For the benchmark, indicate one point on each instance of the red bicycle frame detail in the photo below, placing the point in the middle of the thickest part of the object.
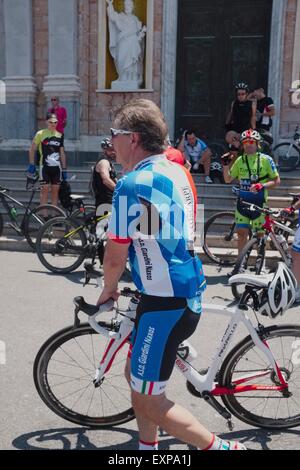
(238, 388)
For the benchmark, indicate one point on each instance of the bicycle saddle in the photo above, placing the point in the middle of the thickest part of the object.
(263, 280)
(76, 197)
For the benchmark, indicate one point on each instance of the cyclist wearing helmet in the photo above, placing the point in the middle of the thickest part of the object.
(164, 269)
(256, 173)
(242, 114)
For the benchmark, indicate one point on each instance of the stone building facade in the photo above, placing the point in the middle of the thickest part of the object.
(53, 47)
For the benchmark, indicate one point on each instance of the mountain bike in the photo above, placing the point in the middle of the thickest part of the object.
(79, 371)
(30, 222)
(278, 236)
(63, 243)
(287, 154)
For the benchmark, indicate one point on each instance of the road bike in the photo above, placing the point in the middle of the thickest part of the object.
(63, 243)
(28, 223)
(79, 371)
(287, 154)
(278, 236)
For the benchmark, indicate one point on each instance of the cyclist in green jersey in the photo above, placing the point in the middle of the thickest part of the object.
(256, 173)
(52, 159)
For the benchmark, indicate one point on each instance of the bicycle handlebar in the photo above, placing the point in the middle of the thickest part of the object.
(263, 210)
(93, 311)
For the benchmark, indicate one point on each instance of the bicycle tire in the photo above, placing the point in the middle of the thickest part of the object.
(284, 162)
(54, 249)
(288, 368)
(43, 376)
(36, 219)
(1, 225)
(242, 263)
(212, 229)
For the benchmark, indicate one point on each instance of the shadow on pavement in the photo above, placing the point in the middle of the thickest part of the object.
(258, 436)
(77, 439)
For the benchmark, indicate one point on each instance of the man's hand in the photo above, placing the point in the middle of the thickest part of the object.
(31, 169)
(226, 158)
(108, 294)
(256, 188)
(287, 212)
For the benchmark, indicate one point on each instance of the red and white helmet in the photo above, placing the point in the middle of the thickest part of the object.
(251, 134)
(279, 296)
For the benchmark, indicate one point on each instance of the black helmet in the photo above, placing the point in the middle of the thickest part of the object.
(242, 86)
(106, 144)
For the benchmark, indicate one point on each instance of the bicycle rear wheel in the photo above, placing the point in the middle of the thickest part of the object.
(64, 370)
(61, 245)
(287, 156)
(37, 218)
(220, 239)
(265, 408)
(251, 260)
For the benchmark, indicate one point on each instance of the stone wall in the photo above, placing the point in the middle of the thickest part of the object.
(41, 55)
(290, 114)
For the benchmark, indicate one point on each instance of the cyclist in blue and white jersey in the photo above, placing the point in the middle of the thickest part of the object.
(153, 220)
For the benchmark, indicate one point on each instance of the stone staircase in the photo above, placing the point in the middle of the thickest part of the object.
(214, 198)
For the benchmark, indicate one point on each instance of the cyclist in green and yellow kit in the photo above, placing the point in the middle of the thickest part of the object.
(52, 159)
(256, 173)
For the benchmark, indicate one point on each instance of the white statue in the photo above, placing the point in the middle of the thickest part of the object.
(126, 46)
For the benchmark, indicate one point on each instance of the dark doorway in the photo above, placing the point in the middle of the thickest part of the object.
(220, 43)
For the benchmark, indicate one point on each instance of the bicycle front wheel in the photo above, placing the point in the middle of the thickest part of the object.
(220, 239)
(287, 156)
(265, 408)
(37, 218)
(61, 245)
(64, 370)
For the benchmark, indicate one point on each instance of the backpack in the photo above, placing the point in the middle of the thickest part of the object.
(65, 195)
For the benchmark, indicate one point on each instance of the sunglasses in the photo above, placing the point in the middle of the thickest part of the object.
(249, 141)
(53, 99)
(116, 132)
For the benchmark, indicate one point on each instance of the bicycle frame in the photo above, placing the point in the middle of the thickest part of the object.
(3, 198)
(202, 383)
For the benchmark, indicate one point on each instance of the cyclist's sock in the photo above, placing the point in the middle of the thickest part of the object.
(148, 445)
(220, 444)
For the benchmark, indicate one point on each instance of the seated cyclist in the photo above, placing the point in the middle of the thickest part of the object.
(164, 269)
(296, 247)
(256, 173)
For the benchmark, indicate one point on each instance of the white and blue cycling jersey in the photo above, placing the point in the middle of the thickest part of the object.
(161, 256)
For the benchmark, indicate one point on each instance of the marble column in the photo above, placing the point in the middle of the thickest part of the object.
(276, 60)
(169, 56)
(19, 110)
(62, 79)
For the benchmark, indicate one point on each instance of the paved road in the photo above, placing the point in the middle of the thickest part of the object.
(35, 304)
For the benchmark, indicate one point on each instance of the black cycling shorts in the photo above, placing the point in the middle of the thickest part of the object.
(50, 175)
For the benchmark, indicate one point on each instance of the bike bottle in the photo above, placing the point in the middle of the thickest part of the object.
(13, 212)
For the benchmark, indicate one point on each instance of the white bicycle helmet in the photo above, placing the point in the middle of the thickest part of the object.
(242, 86)
(251, 134)
(280, 294)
